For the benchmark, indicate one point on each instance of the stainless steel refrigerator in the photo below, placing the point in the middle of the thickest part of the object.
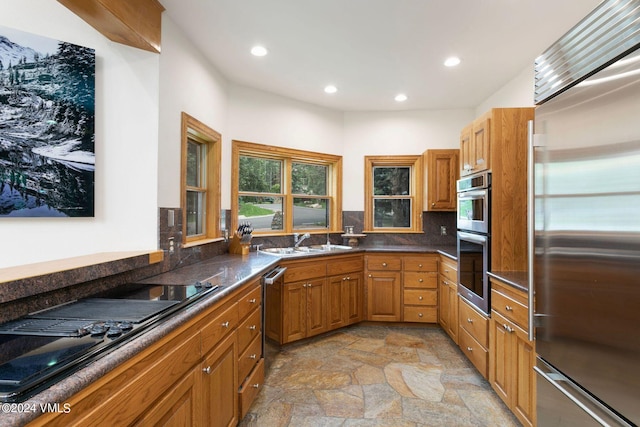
(585, 228)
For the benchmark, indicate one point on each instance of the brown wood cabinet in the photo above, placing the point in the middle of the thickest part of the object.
(512, 355)
(473, 336)
(475, 146)
(346, 291)
(384, 287)
(420, 288)
(442, 173)
(189, 377)
(448, 296)
(249, 347)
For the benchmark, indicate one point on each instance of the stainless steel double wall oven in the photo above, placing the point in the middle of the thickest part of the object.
(474, 228)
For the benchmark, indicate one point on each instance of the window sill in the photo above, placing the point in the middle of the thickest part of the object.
(200, 242)
(388, 230)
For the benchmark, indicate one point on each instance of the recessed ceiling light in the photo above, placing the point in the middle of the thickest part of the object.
(401, 97)
(330, 89)
(452, 61)
(259, 51)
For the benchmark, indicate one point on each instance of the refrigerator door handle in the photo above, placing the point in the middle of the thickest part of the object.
(531, 232)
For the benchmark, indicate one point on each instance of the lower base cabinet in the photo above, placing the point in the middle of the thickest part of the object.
(473, 336)
(220, 385)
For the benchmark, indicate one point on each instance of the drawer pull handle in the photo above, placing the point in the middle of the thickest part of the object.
(508, 328)
(419, 265)
(207, 370)
(253, 356)
(225, 324)
(252, 327)
(420, 298)
(419, 314)
(252, 301)
(348, 278)
(469, 320)
(420, 280)
(344, 278)
(384, 264)
(508, 308)
(256, 386)
(370, 276)
(446, 271)
(469, 349)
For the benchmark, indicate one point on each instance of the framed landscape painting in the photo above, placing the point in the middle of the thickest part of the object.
(47, 137)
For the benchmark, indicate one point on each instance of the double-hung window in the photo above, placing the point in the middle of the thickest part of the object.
(281, 190)
(393, 194)
(200, 183)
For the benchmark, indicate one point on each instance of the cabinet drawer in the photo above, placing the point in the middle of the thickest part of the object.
(305, 271)
(249, 329)
(221, 324)
(474, 323)
(510, 308)
(420, 280)
(249, 358)
(476, 353)
(421, 263)
(449, 269)
(384, 262)
(421, 314)
(249, 302)
(346, 265)
(420, 297)
(250, 388)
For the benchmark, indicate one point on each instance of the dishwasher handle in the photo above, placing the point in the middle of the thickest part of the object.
(271, 277)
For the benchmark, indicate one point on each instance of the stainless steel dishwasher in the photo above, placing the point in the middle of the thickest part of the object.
(274, 277)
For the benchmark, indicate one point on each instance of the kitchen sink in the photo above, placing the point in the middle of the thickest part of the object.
(304, 250)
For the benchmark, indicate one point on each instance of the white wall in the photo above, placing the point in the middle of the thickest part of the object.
(390, 133)
(126, 147)
(189, 83)
(518, 92)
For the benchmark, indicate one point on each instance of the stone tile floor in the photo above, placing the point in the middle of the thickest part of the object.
(370, 375)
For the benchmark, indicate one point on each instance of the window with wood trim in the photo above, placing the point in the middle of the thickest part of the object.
(393, 194)
(283, 190)
(200, 181)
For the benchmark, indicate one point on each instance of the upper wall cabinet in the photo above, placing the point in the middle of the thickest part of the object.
(442, 173)
(475, 146)
(133, 23)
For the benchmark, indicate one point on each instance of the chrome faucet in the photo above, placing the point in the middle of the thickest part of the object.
(297, 239)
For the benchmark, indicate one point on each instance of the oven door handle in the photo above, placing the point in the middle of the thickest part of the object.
(476, 238)
(474, 194)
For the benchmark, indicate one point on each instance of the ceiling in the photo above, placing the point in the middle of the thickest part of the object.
(371, 50)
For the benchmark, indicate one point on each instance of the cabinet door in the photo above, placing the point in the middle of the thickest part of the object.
(179, 405)
(384, 292)
(444, 314)
(294, 316)
(524, 400)
(453, 311)
(480, 144)
(501, 357)
(220, 384)
(442, 173)
(317, 303)
(354, 298)
(338, 301)
(466, 161)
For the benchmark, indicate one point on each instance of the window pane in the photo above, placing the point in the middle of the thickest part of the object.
(264, 213)
(195, 213)
(391, 181)
(310, 213)
(309, 179)
(392, 213)
(260, 175)
(194, 160)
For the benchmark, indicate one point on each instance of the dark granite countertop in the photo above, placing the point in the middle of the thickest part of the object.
(449, 251)
(517, 279)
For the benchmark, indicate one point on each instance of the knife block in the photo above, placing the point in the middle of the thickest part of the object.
(240, 246)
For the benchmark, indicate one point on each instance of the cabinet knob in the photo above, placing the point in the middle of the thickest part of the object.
(420, 314)
(370, 276)
(420, 298)
(469, 349)
(348, 278)
(420, 280)
(419, 265)
(508, 328)
(207, 370)
(252, 301)
(508, 308)
(433, 204)
(253, 356)
(344, 278)
(252, 327)
(469, 320)
(225, 324)
(384, 264)
(256, 386)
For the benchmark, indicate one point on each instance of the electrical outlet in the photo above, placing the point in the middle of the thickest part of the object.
(443, 230)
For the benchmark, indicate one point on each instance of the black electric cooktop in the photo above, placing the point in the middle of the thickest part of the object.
(46, 346)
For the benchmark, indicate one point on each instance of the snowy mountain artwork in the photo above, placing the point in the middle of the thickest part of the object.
(47, 140)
